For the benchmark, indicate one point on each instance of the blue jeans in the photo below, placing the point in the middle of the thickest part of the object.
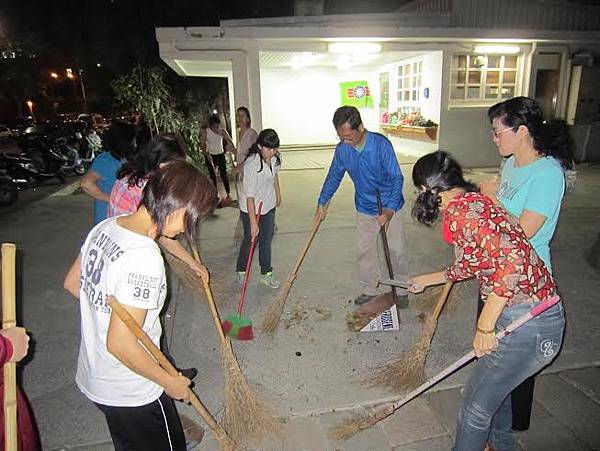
(485, 414)
(266, 228)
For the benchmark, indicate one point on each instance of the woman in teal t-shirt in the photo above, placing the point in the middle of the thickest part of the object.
(531, 188)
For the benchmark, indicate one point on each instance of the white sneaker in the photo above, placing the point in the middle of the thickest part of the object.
(268, 280)
(240, 276)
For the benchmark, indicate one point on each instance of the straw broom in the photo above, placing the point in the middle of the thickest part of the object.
(273, 315)
(225, 442)
(9, 319)
(350, 427)
(408, 371)
(245, 417)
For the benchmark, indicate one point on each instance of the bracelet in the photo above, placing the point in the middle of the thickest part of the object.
(487, 332)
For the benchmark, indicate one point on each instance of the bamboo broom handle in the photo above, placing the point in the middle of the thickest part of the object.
(300, 259)
(441, 300)
(211, 302)
(143, 338)
(9, 319)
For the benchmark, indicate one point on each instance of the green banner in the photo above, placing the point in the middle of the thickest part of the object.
(356, 93)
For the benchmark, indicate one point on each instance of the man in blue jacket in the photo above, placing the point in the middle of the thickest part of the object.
(370, 161)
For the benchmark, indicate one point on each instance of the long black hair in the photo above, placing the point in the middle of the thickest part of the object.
(550, 138)
(266, 138)
(162, 148)
(432, 174)
(178, 184)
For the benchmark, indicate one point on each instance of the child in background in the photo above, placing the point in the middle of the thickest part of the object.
(99, 180)
(260, 184)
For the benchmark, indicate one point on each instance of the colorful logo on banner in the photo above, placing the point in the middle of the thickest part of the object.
(356, 93)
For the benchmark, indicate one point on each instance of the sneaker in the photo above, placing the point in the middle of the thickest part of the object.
(268, 280)
(240, 276)
(363, 299)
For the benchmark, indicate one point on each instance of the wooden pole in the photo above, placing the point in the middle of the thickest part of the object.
(9, 319)
(224, 440)
(211, 302)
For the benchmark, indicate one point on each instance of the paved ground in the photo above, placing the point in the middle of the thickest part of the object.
(314, 364)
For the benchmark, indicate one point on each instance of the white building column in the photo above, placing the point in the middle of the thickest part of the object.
(255, 104)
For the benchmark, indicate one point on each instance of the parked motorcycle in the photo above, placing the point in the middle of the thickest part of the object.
(51, 151)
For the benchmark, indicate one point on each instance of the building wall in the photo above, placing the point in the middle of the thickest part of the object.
(299, 104)
(465, 131)
(432, 79)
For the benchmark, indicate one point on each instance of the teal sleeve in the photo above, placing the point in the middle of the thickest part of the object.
(545, 193)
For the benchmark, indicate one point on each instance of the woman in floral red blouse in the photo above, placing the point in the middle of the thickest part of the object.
(491, 246)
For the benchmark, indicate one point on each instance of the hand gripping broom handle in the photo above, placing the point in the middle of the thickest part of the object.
(535, 311)
(248, 264)
(386, 247)
(143, 338)
(9, 316)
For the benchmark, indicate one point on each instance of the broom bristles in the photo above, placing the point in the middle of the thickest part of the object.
(407, 372)
(351, 426)
(245, 417)
(273, 315)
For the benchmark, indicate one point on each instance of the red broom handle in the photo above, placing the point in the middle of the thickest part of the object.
(248, 264)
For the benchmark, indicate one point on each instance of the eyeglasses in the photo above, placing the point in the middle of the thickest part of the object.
(496, 134)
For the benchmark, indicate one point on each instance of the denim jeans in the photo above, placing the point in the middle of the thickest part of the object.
(485, 414)
(266, 228)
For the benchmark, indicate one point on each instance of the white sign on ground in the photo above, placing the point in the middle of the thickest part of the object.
(387, 320)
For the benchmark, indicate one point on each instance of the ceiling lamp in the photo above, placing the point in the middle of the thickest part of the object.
(354, 47)
(497, 49)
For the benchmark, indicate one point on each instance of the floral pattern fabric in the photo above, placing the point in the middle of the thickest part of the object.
(490, 245)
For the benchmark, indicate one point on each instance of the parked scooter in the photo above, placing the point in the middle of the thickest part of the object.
(51, 152)
(23, 172)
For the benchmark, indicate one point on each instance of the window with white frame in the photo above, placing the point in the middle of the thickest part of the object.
(482, 78)
(409, 86)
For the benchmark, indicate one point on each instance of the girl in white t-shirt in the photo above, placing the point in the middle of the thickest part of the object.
(120, 257)
(260, 184)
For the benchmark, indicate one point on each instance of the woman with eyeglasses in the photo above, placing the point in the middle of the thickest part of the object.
(531, 188)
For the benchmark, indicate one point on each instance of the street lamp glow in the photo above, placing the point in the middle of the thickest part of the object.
(54, 75)
(29, 104)
(497, 49)
(70, 74)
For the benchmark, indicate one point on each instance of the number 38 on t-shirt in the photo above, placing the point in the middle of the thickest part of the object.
(91, 269)
(141, 293)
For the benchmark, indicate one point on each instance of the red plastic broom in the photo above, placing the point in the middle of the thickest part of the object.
(238, 326)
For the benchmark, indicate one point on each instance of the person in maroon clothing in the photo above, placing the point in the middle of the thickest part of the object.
(14, 344)
(491, 246)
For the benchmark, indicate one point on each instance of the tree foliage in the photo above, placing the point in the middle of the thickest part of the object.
(145, 91)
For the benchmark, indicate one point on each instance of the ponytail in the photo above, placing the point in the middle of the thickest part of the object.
(557, 143)
(432, 174)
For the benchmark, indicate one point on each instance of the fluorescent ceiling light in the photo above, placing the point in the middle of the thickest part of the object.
(304, 59)
(354, 47)
(492, 49)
